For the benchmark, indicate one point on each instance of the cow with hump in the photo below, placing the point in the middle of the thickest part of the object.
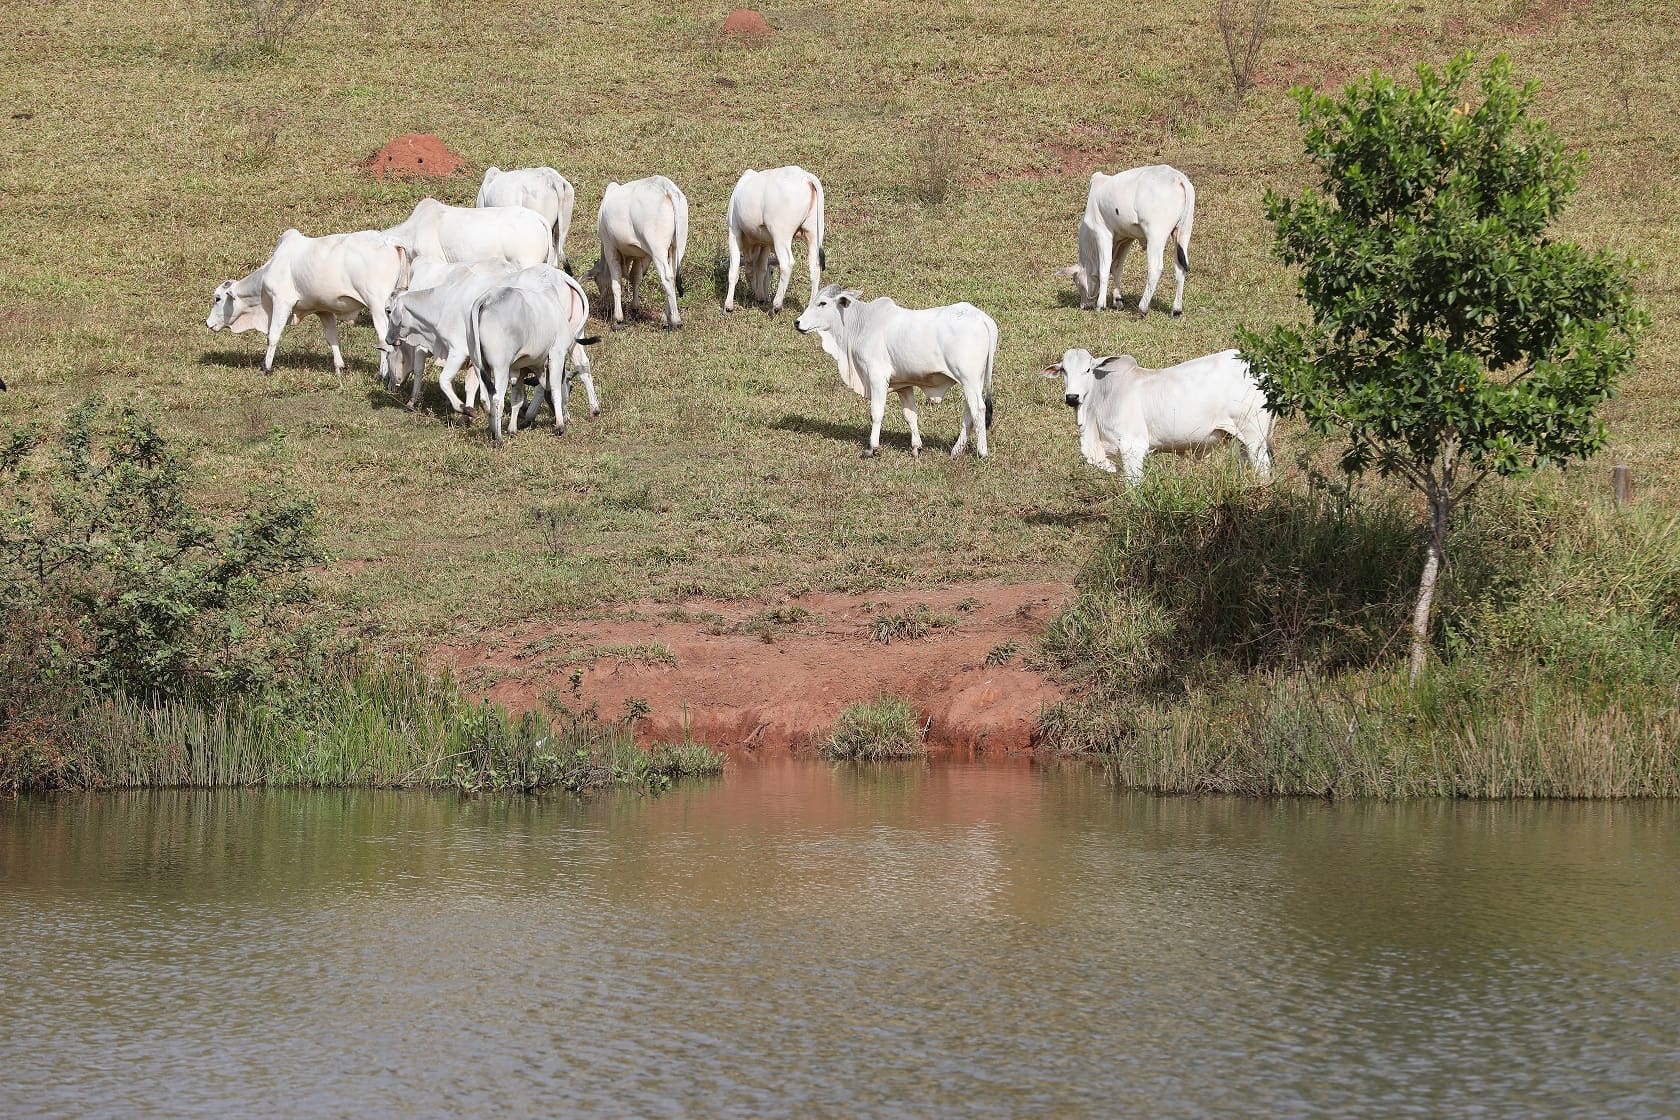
(641, 223)
(436, 232)
(1149, 204)
(768, 211)
(533, 322)
(334, 278)
(1121, 406)
(883, 348)
(542, 189)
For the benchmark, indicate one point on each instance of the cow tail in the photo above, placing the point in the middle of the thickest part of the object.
(991, 360)
(475, 344)
(1186, 220)
(816, 213)
(679, 216)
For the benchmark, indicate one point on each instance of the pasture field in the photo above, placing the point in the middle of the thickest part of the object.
(148, 152)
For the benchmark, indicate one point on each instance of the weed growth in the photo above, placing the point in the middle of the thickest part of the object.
(886, 727)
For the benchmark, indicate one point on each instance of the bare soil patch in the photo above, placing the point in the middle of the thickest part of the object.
(417, 155)
(775, 675)
(744, 23)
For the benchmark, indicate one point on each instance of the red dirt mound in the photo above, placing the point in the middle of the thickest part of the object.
(745, 675)
(747, 24)
(417, 154)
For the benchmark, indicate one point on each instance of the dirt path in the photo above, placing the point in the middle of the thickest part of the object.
(758, 675)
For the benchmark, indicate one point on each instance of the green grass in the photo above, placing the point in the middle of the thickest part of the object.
(158, 162)
(383, 724)
(886, 727)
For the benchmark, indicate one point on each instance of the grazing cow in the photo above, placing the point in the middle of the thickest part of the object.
(333, 277)
(523, 326)
(542, 189)
(768, 210)
(433, 320)
(642, 221)
(1188, 407)
(463, 234)
(881, 347)
(1148, 204)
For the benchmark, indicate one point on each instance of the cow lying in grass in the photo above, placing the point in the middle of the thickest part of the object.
(1188, 407)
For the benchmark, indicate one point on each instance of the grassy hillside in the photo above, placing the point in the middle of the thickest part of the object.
(146, 152)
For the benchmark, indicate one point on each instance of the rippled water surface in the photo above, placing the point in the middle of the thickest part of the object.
(798, 940)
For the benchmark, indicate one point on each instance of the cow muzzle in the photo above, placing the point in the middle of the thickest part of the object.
(1072, 400)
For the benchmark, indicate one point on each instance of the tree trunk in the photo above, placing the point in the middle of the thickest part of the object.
(1425, 609)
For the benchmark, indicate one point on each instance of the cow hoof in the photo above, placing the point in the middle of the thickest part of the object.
(673, 326)
(728, 309)
(915, 453)
(411, 407)
(869, 453)
(559, 429)
(1177, 312)
(1139, 314)
(594, 412)
(268, 371)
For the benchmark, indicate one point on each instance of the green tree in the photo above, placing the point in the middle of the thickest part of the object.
(110, 579)
(1451, 337)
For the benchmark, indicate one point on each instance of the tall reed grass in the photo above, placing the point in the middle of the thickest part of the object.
(1236, 639)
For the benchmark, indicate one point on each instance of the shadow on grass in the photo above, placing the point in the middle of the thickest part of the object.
(317, 362)
(855, 434)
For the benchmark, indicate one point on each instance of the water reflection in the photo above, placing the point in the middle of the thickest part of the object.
(806, 940)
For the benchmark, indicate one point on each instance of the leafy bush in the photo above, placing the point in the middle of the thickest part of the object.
(112, 581)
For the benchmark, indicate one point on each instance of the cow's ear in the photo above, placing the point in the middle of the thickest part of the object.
(1053, 372)
(1119, 363)
(844, 301)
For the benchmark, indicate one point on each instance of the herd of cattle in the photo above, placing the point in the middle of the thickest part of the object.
(491, 286)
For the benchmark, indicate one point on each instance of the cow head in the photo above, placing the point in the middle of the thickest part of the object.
(825, 310)
(232, 310)
(1080, 373)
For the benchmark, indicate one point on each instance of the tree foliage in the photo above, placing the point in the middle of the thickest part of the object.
(114, 582)
(1451, 335)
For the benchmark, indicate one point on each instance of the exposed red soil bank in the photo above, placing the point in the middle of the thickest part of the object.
(747, 24)
(417, 154)
(751, 679)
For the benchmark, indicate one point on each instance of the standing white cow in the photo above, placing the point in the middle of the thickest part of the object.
(768, 211)
(464, 234)
(881, 347)
(523, 326)
(333, 277)
(640, 222)
(542, 189)
(1188, 407)
(433, 321)
(1147, 204)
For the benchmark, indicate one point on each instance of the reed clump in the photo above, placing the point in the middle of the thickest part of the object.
(1247, 640)
(887, 727)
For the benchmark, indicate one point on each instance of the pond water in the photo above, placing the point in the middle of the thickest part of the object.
(950, 940)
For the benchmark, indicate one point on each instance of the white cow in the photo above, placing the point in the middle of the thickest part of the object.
(333, 277)
(523, 326)
(768, 210)
(881, 347)
(433, 320)
(641, 221)
(464, 234)
(1188, 407)
(1147, 204)
(542, 189)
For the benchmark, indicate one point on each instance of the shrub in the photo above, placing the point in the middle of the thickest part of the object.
(872, 730)
(1243, 33)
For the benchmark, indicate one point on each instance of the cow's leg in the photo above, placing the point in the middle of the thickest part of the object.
(329, 328)
(557, 387)
(1122, 249)
(514, 393)
(907, 401)
(784, 253)
(734, 268)
(962, 433)
(668, 281)
(415, 360)
(638, 269)
(534, 402)
(278, 317)
(615, 279)
(1091, 447)
(974, 408)
(877, 413)
(1256, 450)
(446, 381)
(1104, 239)
(581, 363)
(1154, 248)
(1131, 460)
(496, 391)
